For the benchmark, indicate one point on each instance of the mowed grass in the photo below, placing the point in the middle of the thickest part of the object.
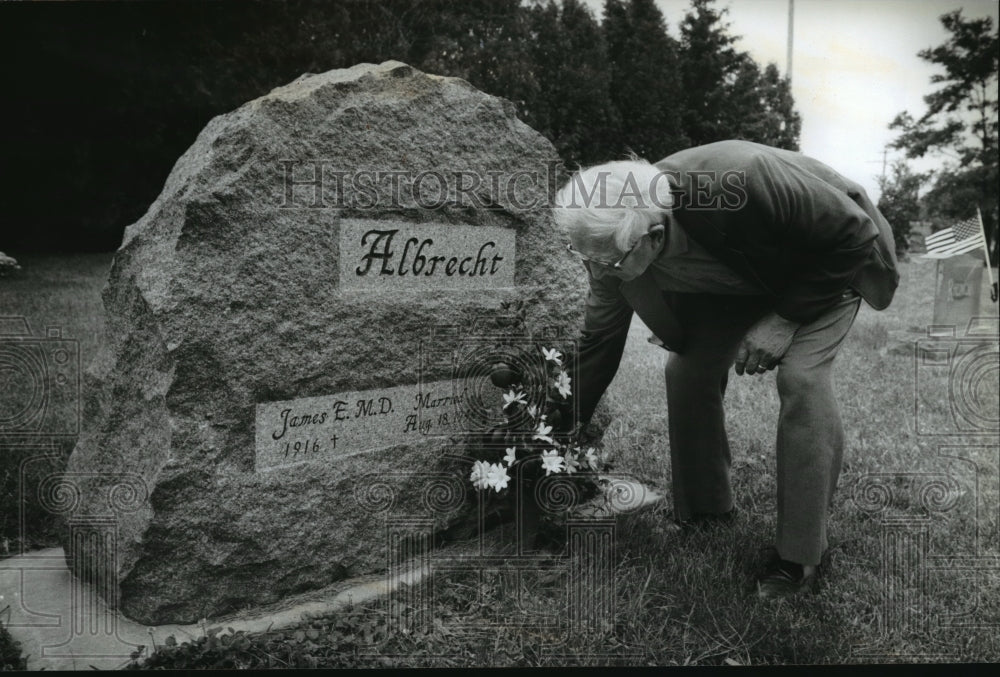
(59, 291)
(689, 600)
(49, 292)
(702, 587)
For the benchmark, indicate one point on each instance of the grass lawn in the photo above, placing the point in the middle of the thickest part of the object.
(689, 600)
(61, 292)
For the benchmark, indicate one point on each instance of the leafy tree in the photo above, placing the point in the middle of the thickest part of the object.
(956, 193)
(960, 122)
(899, 201)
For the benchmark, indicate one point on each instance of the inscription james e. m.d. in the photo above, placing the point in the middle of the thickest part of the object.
(415, 256)
(326, 428)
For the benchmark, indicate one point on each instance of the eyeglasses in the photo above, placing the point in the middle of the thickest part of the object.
(617, 265)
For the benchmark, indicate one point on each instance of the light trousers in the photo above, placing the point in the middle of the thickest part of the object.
(810, 437)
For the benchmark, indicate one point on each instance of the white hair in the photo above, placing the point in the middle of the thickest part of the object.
(609, 206)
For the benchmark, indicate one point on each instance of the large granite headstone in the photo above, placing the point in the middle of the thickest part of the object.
(283, 326)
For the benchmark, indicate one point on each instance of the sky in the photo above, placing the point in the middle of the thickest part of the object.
(854, 67)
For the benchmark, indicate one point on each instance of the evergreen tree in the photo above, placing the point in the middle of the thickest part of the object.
(485, 42)
(597, 91)
(546, 49)
(616, 30)
(726, 96)
(646, 81)
(760, 107)
(709, 67)
(575, 109)
(784, 124)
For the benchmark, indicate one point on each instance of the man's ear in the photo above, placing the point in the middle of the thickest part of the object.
(657, 232)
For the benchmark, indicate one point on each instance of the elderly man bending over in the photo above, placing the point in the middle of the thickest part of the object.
(732, 252)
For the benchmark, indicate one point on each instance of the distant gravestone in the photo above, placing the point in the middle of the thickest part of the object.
(284, 326)
(959, 288)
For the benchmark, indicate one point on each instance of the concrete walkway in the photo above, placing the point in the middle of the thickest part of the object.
(55, 633)
(63, 625)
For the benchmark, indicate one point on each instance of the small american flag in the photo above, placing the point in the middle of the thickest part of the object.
(961, 238)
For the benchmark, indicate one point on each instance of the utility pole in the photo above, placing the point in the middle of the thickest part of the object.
(884, 161)
(791, 30)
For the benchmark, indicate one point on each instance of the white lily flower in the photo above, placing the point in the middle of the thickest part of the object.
(480, 474)
(511, 456)
(562, 384)
(542, 433)
(552, 462)
(497, 477)
(571, 462)
(511, 397)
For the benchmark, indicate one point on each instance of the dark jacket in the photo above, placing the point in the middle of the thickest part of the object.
(795, 227)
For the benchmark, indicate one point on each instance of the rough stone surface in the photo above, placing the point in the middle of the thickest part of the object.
(226, 294)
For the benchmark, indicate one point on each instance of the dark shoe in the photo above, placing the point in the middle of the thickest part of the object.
(706, 520)
(782, 578)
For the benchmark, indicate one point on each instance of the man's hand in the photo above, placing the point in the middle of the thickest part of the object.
(765, 344)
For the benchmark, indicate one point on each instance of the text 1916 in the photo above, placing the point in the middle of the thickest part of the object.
(301, 447)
